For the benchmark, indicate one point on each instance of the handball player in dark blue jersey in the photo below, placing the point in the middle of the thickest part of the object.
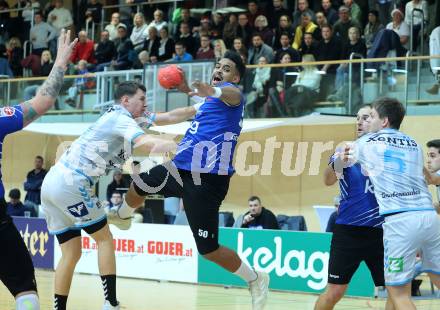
(16, 268)
(201, 170)
(358, 234)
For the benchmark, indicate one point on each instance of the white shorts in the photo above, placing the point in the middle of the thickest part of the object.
(68, 201)
(404, 236)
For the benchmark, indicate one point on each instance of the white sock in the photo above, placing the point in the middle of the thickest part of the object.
(27, 302)
(246, 273)
(125, 211)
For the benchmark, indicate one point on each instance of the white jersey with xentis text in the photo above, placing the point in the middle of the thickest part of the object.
(394, 164)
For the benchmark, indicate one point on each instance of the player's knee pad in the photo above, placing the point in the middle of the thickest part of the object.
(27, 302)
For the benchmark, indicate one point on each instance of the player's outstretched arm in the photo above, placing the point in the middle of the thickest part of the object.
(175, 116)
(229, 95)
(48, 92)
(154, 145)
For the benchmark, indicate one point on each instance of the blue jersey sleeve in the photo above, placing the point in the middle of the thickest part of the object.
(11, 119)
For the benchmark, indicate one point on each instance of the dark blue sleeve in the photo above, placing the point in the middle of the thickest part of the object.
(11, 119)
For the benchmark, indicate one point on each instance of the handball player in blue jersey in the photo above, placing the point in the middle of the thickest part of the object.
(16, 268)
(201, 170)
(358, 230)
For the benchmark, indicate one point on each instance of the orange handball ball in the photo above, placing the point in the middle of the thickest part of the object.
(170, 76)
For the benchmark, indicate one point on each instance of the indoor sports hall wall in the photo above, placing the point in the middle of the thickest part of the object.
(282, 194)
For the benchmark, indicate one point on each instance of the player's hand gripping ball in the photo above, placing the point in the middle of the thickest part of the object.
(170, 76)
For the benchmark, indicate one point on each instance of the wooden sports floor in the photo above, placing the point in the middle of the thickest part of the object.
(86, 294)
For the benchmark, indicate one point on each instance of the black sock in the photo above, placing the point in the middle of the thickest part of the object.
(109, 285)
(60, 302)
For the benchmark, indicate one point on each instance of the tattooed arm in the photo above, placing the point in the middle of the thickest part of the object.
(48, 92)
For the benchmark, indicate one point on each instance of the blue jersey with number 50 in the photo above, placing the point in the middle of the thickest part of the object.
(208, 145)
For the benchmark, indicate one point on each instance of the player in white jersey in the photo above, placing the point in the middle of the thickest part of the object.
(394, 163)
(67, 191)
(432, 171)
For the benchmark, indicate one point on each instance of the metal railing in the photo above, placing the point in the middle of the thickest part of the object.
(92, 35)
(25, 54)
(350, 80)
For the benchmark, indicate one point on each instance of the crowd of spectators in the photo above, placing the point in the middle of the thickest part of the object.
(262, 33)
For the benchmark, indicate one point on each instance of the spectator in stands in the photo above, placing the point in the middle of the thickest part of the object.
(50, 5)
(258, 49)
(105, 50)
(332, 219)
(285, 26)
(328, 49)
(115, 200)
(384, 8)
(60, 17)
(152, 44)
(258, 217)
(286, 48)
(5, 68)
(419, 19)
(306, 26)
(262, 27)
(180, 52)
(187, 18)
(261, 86)
(41, 34)
(117, 185)
(93, 13)
(15, 207)
(83, 82)
(139, 32)
(329, 12)
(142, 60)
(34, 180)
(27, 15)
(15, 55)
(217, 26)
(158, 21)
(355, 45)
(309, 45)
(372, 28)
(230, 30)
(84, 50)
(354, 11)
(187, 38)
(112, 28)
(205, 51)
(434, 49)
(303, 7)
(344, 23)
(253, 12)
(305, 89)
(276, 12)
(40, 66)
(399, 26)
(219, 49)
(166, 48)
(321, 21)
(124, 49)
(239, 47)
(244, 29)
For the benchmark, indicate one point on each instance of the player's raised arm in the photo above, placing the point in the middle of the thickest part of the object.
(229, 94)
(48, 92)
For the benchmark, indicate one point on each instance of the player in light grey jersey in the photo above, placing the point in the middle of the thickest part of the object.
(432, 170)
(394, 164)
(67, 191)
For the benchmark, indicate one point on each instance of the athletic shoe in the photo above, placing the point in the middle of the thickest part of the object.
(433, 90)
(259, 289)
(108, 306)
(114, 218)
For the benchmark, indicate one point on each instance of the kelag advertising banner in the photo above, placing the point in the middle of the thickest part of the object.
(37, 239)
(295, 261)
